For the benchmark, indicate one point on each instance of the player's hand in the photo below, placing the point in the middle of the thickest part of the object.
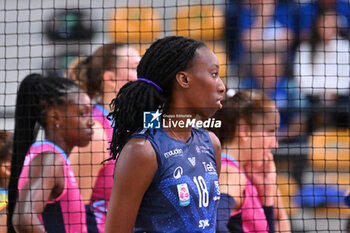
(263, 175)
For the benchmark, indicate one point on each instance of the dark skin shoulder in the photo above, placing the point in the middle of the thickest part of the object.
(217, 148)
(45, 183)
(134, 172)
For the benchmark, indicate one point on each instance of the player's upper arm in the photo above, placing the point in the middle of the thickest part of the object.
(45, 183)
(137, 163)
(134, 172)
(45, 174)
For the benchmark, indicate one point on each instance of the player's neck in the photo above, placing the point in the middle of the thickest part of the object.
(60, 142)
(176, 120)
(180, 134)
(233, 149)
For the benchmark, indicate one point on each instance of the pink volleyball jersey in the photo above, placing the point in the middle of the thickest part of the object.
(104, 182)
(252, 214)
(67, 212)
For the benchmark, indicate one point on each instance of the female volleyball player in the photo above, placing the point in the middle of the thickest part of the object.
(43, 193)
(166, 178)
(250, 197)
(6, 141)
(101, 75)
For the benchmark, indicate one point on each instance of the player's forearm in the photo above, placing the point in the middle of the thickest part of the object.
(282, 217)
(283, 225)
(27, 223)
(267, 194)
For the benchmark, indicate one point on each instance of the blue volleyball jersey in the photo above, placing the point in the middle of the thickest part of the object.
(184, 194)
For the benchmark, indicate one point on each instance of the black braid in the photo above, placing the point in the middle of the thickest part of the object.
(34, 95)
(160, 64)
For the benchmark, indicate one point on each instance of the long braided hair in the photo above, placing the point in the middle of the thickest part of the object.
(34, 96)
(160, 64)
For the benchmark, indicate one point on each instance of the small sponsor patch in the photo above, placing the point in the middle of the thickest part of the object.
(184, 194)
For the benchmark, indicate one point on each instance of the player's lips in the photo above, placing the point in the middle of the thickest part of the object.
(219, 100)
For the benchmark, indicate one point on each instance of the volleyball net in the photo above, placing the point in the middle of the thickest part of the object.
(296, 52)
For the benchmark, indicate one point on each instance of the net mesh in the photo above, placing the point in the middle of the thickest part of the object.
(296, 52)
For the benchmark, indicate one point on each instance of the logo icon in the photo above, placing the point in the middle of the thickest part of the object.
(178, 172)
(184, 194)
(192, 161)
(151, 120)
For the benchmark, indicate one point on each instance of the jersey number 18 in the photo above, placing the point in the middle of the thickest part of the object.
(203, 194)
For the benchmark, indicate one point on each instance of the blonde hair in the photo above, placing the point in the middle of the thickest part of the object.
(77, 71)
(88, 72)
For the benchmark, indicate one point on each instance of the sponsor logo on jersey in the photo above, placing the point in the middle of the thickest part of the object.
(178, 172)
(192, 161)
(209, 167)
(198, 150)
(203, 223)
(205, 149)
(184, 194)
(217, 187)
(174, 152)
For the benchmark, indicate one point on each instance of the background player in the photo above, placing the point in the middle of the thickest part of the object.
(250, 197)
(101, 75)
(6, 141)
(43, 193)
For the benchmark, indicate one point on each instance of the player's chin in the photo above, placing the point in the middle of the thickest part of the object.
(215, 107)
(83, 143)
(85, 139)
(209, 112)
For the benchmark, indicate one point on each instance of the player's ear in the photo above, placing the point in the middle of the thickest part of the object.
(109, 77)
(54, 117)
(5, 169)
(182, 79)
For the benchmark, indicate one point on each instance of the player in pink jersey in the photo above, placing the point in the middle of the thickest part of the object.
(43, 193)
(101, 75)
(6, 141)
(250, 200)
